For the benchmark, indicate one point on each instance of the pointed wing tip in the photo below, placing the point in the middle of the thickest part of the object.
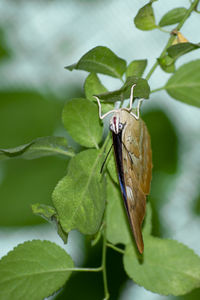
(140, 248)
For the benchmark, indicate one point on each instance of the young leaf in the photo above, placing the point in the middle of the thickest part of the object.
(141, 90)
(184, 84)
(93, 86)
(136, 68)
(79, 197)
(117, 226)
(167, 63)
(101, 60)
(49, 213)
(145, 19)
(33, 270)
(167, 267)
(80, 118)
(45, 146)
(173, 16)
(180, 49)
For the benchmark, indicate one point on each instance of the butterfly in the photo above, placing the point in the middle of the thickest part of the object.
(133, 157)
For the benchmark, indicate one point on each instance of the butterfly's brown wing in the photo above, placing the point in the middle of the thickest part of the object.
(137, 166)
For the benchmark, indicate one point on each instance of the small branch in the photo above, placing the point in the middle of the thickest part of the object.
(162, 29)
(172, 38)
(115, 248)
(158, 89)
(105, 283)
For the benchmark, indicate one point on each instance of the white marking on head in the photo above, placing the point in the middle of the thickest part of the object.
(115, 125)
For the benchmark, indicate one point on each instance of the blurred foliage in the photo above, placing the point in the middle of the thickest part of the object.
(165, 156)
(4, 50)
(26, 115)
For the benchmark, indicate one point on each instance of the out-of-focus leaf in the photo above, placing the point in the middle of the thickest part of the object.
(167, 267)
(136, 68)
(31, 181)
(184, 84)
(25, 116)
(39, 147)
(141, 90)
(164, 141)
(167, 63)
(173, 16)
(101, 60)
(49, 213)
(4, 51)
(81, 120)
(34, 270)
(180, 49)
(79, 197)
(145, 19)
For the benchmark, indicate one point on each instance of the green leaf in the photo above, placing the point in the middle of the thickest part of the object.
(79, 197)
(166, 267)
(117, 226)
(25, 116)
(94, 86)
(173, 16)
(81, 120)
(184, 85)
(101, 60)
(118, 229)
(33, 270)
(145, 19)
(180, 49)
(141, 90)
(111, 166)
(167, 63)
(49, 213)
(45, 146)
(136, 68)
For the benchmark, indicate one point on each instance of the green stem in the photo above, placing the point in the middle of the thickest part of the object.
(158, 89)
(162, 29)
(105, 283)
(172, 38)
(115, 248)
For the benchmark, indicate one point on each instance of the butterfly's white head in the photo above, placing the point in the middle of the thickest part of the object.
(115, 124)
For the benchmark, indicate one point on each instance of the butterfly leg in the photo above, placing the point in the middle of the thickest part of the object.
(131, 98)
(137, 115)
(100, 113)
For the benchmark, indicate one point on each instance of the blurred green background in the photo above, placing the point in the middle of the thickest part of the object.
(37, 39)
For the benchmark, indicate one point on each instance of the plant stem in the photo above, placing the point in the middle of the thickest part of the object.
(172, 37)
(115, 248)
(107, 296)
(158, 89)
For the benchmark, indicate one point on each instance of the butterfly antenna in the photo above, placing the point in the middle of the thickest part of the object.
(103, 164)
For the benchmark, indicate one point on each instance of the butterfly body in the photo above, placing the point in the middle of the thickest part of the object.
(133, 157)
